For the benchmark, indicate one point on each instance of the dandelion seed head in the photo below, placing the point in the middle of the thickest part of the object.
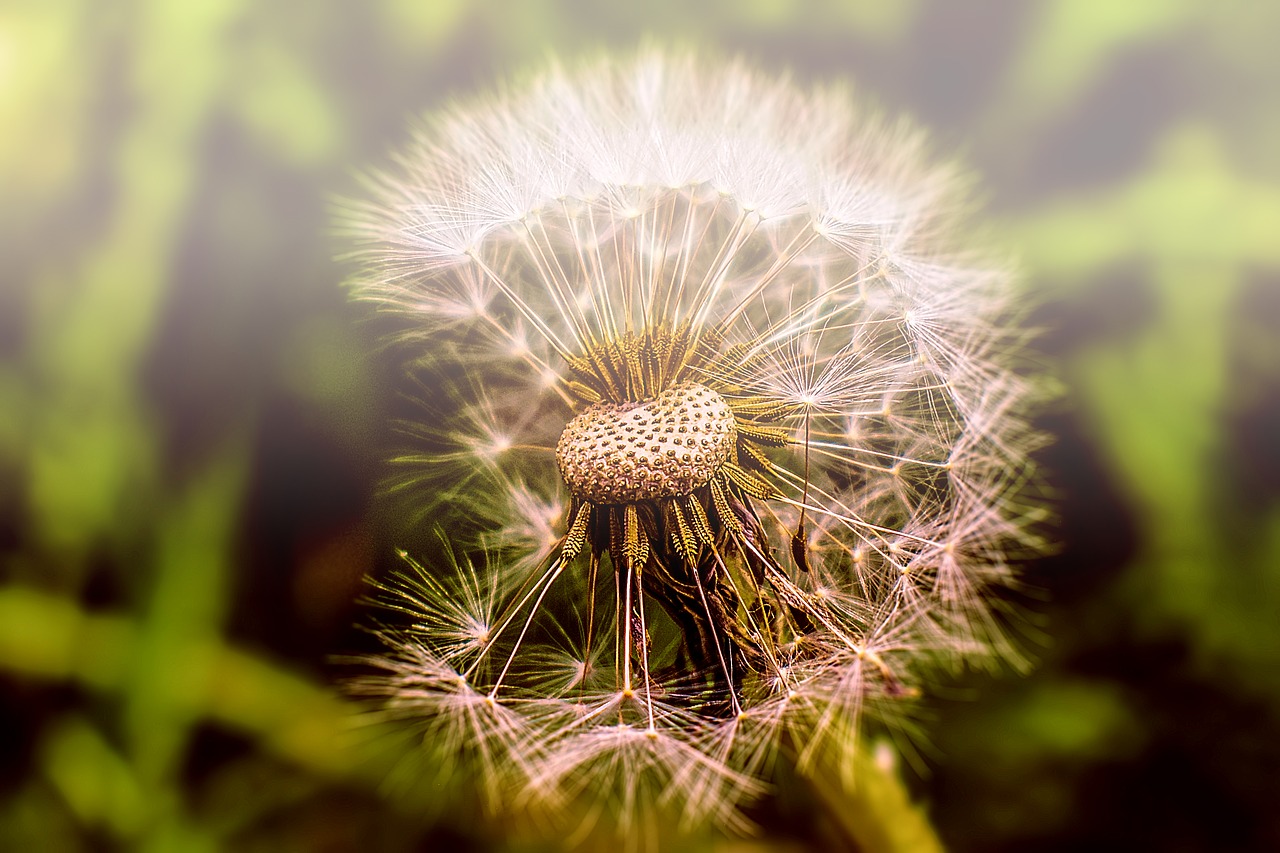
(722, 425)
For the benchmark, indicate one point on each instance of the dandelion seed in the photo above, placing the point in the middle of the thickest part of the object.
(722, 430)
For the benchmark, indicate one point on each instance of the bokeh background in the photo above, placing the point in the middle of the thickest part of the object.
(192, 416)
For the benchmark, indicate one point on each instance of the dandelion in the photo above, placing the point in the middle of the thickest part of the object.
(719, 425)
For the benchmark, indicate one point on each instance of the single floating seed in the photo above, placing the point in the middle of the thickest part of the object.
(591, 466)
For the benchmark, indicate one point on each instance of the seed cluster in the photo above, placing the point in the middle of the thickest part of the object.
(619, 453)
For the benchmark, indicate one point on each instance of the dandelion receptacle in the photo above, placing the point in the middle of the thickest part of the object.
(720, 427)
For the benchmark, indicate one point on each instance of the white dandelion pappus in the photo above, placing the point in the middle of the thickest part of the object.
(721, 402)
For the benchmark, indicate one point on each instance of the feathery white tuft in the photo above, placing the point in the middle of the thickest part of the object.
(822, 264)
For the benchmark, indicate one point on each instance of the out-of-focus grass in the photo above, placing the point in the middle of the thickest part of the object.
(186, 403)
(1158, 397)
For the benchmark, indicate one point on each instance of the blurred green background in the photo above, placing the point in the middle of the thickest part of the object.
(192, 416)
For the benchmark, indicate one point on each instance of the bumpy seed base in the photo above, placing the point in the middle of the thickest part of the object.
(619, 453)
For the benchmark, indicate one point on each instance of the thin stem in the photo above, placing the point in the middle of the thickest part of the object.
(866, 802)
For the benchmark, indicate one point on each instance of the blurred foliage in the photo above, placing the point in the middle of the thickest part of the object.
(190, 413)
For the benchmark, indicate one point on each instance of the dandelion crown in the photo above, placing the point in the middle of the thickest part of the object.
(717, 424)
